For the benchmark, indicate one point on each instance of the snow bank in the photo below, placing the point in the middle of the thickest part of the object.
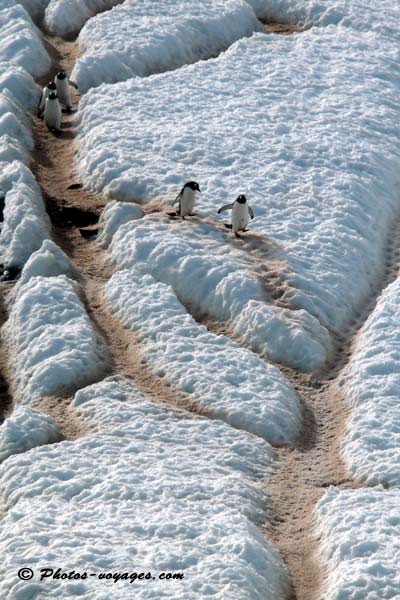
(360, 543)
(117, 502)
(51, 340)
(16, 138)
(309, 131)
(139, 38)
(26, 429)
(228, 382)
(65, 17)
(371, 384)
(114, 215)
(20, 42)
(20, 84)
(48, 261)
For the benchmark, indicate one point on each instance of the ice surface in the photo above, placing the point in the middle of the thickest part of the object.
(51, 340)
(26, 429)
(371, 384)
(153, 490)
(64, 17)
(141, 37)
(228, 382)
(359, 534)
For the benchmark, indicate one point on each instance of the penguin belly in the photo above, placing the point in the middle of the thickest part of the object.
(63, 92)
(240, 217)
(52, 114)
(187, 202)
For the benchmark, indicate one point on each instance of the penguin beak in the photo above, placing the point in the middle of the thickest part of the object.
(199, 190)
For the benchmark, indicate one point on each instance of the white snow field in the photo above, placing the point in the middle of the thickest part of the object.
(66, 17)
(26, 429)
(359, 533)
(139, 38)
(51, 340)
(228, 382)
(309, 131)
(371, 384)
(152, 490)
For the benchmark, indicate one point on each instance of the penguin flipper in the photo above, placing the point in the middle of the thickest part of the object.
(75, 85)
(225, 207)
(251, 213)
(176, 199)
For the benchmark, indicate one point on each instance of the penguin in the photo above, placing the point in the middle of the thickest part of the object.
(62, 84)
(50, 87)
(241, 212)
(186, 198)
(52, 112)
(2, 205)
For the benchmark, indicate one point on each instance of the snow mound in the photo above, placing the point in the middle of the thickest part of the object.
(114, 215)
(53, 345)
(48, 261)
(120, 495)
(227, 381)
(26, 224)
(139, 38)
(20, 84)
(66, 17)
(20, 40)
(14, 129)
(26, 429)
(371, 385)
(360, 543)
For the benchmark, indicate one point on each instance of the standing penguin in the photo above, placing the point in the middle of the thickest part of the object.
(52, 112)
(186, 198)
(241, 212)
(50, 87)
(62, 84)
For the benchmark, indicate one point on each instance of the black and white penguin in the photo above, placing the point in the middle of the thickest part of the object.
(186, 198)
(241, 214)
(50, 87)
(62, 84)
(52, 112)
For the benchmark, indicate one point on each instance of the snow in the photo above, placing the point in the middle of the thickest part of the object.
(14, 129)
(20, 84)
(139, 38)
(51, 340)
(116, 502)
(330, 149)
(66, 17)
(26, 429)
(48, 261)
(220, 378)
(20, 41)
(114, 215)
(360, 543)
(371, 386)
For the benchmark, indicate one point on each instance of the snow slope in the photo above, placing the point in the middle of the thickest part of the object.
(117, 502)
(226, 381)
(65, 17)
(51, 340)
(26, 429)
(371, 385)
(139, 38)
(359, 532)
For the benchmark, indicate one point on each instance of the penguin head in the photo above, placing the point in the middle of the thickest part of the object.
(241, 199)
(61, 75)
(52, 96)
(193, 185)
(51, 85)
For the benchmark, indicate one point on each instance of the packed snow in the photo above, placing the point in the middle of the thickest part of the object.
(114, 215)
(359, 534)
(48, 261)
(52, 344)
(228, 382)
(371, 385)
(117, 502)
(66, 17)
(17, 82)
(25, 429)
(139, 38)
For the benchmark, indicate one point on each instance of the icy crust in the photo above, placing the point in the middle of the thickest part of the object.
(63, 17)
(213, 282)
(26, 224)
(52, 342)
(371, 385)
(139, 38)
(312, 179)
(26, 429)
(359, 534)
(20, 40)
(117, 502)
(228, 382)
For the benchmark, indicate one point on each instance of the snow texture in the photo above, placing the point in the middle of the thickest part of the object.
(65, 17)
(48, 261)
(114, 215)
(20, 42)
(16, 138)
(327, 104)
(371, 385)
(139, 38)
(117, 502)
(52, 343)
(19, 84)
(228, 382)
(26, 429)
(360, 544)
